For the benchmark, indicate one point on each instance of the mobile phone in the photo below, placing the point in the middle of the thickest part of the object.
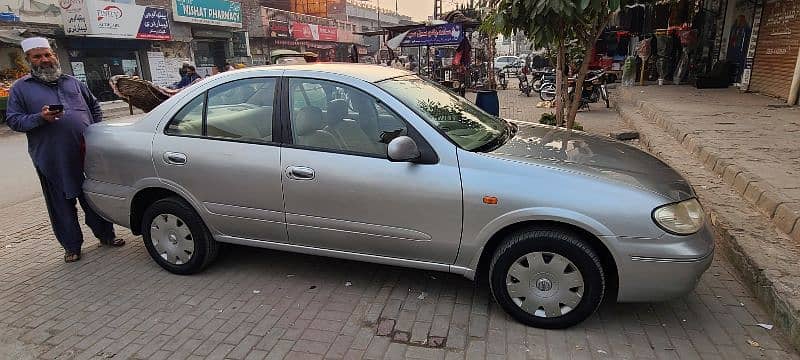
(55, 108)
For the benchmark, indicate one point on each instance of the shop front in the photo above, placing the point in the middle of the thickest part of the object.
(95, 61)
(330, 40)
(776, 53)
(213, 25)
(326, 51)
(664, 41)
(106, 39)
(211, 49)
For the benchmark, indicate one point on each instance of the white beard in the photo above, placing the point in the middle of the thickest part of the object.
(47, 74)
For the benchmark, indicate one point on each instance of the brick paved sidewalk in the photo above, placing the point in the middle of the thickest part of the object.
(751, 138)
(256, 303)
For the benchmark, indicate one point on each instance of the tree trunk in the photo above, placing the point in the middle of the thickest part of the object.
(490, 70)
(560, 85)
(587, 56)
(578, 89)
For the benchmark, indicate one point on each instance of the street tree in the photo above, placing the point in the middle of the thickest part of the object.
(557, 24)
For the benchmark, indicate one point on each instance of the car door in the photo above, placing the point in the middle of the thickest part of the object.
(342, 193)
(219, 150)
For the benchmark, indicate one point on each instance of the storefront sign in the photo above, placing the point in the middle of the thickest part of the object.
(75, 15)
(154, 24)
(445, 34)
(241, 44)
(304, 31)
(276, 21)
(159, 70)
(114, 20)
(79, 71)
(210, 12)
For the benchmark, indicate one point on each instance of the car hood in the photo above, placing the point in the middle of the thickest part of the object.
(594, 156)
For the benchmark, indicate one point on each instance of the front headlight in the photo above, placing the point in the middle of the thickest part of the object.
(683, 218)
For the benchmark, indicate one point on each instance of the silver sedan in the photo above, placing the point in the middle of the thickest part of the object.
(376, 164)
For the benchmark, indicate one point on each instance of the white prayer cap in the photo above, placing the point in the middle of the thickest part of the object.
(34, 43)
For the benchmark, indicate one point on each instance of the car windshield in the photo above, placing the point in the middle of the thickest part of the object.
(464, 123)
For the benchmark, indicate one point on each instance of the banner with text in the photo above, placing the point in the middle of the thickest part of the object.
(114, 20)
(445, 34)
(209, 12)
(304, 31)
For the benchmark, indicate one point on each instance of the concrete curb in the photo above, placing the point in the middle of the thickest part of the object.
(782, 211)
(760, 272)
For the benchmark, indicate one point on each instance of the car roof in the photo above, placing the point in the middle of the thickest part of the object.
(366, 72)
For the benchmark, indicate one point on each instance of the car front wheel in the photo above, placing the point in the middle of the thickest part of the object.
(176, 237)
(547, 278)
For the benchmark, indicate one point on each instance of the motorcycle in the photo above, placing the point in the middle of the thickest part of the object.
(594, 89)
(524, 84)
(501, 78)
(543, 77)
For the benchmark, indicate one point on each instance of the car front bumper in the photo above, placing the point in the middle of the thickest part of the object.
(672, 271)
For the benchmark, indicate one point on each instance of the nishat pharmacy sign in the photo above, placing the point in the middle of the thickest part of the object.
(209, 12)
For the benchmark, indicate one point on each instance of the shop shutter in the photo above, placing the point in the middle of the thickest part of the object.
(776, 50)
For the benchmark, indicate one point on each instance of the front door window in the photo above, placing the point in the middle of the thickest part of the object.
(336, 117)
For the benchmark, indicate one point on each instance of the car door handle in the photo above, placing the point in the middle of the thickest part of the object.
(174, 158)
(300, 173)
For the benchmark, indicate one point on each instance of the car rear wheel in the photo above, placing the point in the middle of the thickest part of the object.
(547, 278)
(176, 237)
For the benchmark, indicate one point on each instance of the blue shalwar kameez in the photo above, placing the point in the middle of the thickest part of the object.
(57, 151)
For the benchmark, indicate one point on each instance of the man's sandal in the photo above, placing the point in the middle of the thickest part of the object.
(116, 242)
(70, 257)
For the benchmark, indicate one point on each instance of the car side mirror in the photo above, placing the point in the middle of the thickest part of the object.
(403, 148)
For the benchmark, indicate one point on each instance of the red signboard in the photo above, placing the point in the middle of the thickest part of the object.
(304, 31)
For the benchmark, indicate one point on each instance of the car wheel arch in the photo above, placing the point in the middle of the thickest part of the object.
(143, 199)
(606, 257)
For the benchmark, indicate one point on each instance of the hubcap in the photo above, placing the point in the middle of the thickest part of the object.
(172, 239)
(545, 284)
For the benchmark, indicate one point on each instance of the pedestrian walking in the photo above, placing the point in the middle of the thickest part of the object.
(54, 109)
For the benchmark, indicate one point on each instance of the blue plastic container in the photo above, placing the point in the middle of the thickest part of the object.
(487, 101)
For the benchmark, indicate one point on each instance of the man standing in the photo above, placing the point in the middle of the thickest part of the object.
(53, 110)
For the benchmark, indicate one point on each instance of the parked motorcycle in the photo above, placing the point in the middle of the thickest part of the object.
(594, 89)
(501, 78)
(524, 84)
(543, 77)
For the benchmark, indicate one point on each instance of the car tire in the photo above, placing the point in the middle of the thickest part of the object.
(176, 237)
(565, 280)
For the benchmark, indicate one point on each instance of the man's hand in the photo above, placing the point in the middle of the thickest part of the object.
(49, 116)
